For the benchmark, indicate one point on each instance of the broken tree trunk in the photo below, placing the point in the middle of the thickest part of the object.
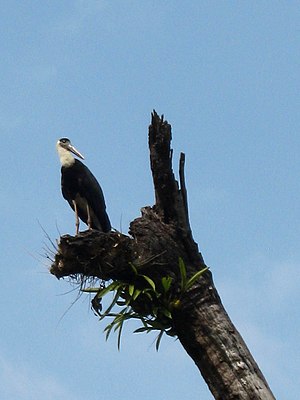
(157, 240)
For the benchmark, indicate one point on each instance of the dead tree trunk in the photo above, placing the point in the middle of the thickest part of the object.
(157, 239)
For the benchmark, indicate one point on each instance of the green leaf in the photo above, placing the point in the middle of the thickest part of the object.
(150, 281)
(155, 324)
(114, 301)
(142, 329)
(166, 312)
(136, 294)
(108, 329)
(182, 273)
(119, 336)
(148, 294)
(133, 269)
(166, 283)
(193, 279)
(90, 290)
(131, 290)
(160, 335)
(110, 288)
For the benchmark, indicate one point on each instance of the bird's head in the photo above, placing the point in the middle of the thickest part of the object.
(65, 148)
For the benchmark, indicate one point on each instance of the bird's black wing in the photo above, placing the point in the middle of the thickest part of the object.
(89, 189)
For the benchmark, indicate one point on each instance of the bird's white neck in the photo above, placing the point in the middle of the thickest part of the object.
(65, 157)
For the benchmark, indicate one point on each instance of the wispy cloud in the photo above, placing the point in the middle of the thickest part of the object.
(22, 382)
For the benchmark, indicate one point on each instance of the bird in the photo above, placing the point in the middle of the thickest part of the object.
(81, 189)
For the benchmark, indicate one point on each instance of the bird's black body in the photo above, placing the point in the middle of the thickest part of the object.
(79, 184)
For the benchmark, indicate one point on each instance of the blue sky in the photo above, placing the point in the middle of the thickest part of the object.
(226, 75)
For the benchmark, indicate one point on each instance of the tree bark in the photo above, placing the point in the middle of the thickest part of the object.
(157, 239)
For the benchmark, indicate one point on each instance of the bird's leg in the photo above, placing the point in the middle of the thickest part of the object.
(89, 219)
(76, 216)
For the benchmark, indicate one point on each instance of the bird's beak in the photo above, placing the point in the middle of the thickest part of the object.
(76, 152)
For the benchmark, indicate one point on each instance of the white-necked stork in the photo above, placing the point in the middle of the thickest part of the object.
(81, 189)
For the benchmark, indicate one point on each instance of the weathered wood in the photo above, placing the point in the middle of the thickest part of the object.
(157, 239)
